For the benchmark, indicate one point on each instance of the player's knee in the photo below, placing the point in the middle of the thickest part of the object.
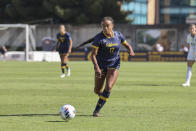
(109, 87)
(97, 91)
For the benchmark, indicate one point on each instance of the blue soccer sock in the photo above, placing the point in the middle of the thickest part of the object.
(102, 99)
(63, 66)
(67, 66)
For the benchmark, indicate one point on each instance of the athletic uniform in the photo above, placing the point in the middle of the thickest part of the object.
(108, 55)
(2, 51)
(192, 51)
(191, 57)
(64, 40)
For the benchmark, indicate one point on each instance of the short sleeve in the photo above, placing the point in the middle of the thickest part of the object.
(57, 37)
(188, 39)
(122, 38)
(96, 42)
(69, 36)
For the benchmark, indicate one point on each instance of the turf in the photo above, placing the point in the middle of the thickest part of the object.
(146, 97)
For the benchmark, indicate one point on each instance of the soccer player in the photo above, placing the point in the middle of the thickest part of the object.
(3, 51)
(191, 40)
(64, 49)
(106, 60)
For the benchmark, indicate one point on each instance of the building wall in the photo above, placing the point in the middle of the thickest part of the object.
(139, 11)
(176, 11)
(84, 32)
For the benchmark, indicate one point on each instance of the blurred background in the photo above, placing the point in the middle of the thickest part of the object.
(156, 29)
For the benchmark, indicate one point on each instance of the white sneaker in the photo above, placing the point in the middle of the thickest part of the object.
(62, 76)
(68, 72)
(186, 84)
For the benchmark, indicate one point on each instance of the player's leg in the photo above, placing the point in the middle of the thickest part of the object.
(111, 77)
(3, 53)
(63, 66)
(65, 60)
(99, 82)
(189, 73)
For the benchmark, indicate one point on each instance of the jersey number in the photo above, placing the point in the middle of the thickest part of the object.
(62, 40)
(112, 50)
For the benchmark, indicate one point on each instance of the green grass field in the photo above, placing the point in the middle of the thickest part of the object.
(146, 97)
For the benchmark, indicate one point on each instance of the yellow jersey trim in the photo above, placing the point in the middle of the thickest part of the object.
(108, 36)
(95, 47)
(63, 33)
(124, 42)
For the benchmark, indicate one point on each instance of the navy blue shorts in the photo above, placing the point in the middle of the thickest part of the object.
(115, 65)
(2, 51)
(63, 49)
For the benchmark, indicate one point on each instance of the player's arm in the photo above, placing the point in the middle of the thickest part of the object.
(4, 48)
(189, 45)
(70, 47)
(94, 60)
(86, 42)
(188, 41)
(57, 44)
(129, 48)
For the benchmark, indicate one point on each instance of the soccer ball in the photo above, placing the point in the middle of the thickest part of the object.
(67, 112)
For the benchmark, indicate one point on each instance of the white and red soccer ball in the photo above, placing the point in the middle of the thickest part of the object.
(67, 112)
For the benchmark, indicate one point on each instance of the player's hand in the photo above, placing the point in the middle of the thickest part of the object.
(98, 73)
(132, 53)
(69, 52)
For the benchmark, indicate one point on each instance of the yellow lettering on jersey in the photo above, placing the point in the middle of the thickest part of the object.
(111, 44)
(62, 39)
(112, 50)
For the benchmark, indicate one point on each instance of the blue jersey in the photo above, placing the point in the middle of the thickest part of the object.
(2, 51)
(108, 55)
(64, 40)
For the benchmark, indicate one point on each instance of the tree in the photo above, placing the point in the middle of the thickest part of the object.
(63, 11)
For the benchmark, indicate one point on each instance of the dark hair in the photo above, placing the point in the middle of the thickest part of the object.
(108, 18)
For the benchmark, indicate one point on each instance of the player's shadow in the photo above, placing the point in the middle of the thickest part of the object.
(155, 85)
(38, 115)
(56, 121)
(84, 115)
(28, 115)
(68, 121)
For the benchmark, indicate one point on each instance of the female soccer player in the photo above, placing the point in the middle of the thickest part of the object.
(3, 51)
(106, 60)
(191, 40)
(64, 49)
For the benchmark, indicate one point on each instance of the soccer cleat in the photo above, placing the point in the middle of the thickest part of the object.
(186, 84)
(96, 114)
(62, 76)
(68, 72)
